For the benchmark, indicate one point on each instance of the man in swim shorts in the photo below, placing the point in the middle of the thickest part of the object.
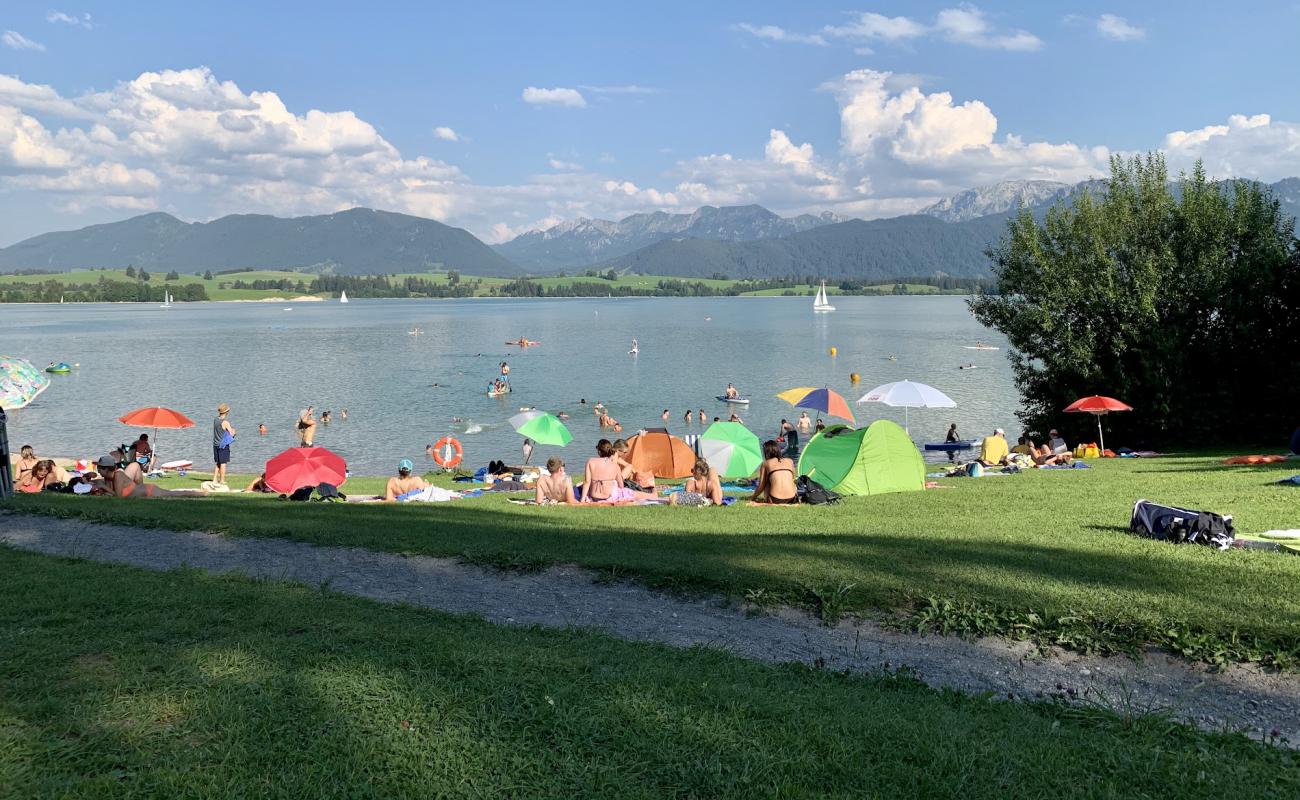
(223, 433)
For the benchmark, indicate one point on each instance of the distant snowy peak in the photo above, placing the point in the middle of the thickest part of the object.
(996, 199)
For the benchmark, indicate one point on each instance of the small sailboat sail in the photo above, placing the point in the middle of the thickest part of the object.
(167, 300)
(820, 303)
(343, 297)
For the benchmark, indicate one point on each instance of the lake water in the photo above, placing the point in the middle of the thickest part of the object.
(267, 362)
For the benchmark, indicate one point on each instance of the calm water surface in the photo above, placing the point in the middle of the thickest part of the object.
(268, 362)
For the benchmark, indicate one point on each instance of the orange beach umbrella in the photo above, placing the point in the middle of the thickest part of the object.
(156, 417)
(1098, 406)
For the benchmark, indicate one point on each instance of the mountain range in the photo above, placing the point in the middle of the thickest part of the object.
(583, 242)
(948, 237)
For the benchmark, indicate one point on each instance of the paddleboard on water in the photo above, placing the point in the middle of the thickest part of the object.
(740, 401)
(181, 464)
(964, 444)
(498, 394)
(981, 347)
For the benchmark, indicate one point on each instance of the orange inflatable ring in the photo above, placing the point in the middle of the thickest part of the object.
(447, 452)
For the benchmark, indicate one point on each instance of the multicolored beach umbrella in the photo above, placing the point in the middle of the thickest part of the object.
(20, 382)
(731, 449)
(824, 400)
(541, 427)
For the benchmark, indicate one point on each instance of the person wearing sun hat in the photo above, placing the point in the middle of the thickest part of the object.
(223, 433)
(404, 483)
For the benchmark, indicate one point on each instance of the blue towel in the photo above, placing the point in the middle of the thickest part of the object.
(1294, 480)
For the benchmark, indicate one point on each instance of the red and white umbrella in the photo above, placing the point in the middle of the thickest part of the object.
(1097, 406)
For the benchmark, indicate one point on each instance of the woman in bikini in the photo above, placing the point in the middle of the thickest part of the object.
(775, 478)
(26, 461)
(703, 488)
(603, 479)
(37, 478)
(620, 458)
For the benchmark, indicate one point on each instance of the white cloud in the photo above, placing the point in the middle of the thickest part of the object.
(968, 25)
(1119, 29)
(16, 41)
(60, 17)
(567, 98)
(870, 25)
(445, 134)
(188, 142)
(776, 33)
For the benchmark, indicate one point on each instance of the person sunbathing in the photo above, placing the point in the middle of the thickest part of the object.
(404, 482)
(116, 482)
(26, 460)
(1044, 457)
(141, 452)
(37, 478)
(775, 477)
(557, 487)
(259, 486)
(1025, 446)
(625, 468)
(994, 450)
(603, 479)
(703, 488)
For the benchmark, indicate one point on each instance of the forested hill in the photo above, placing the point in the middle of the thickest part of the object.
(359, 241)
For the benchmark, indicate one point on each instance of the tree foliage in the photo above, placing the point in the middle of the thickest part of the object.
(1180, 300)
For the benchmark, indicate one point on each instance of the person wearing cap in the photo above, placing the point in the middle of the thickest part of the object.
(117, 483)
(404, 482)
(223, 433)
(994, 449)
(1057, 444)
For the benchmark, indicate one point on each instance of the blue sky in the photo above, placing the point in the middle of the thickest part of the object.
(553, 111)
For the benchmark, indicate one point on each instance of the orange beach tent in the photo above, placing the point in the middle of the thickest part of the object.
(658, 452)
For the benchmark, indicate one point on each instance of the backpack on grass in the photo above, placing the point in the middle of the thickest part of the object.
(813, 493)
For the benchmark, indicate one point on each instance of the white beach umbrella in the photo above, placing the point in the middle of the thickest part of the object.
(908, 394)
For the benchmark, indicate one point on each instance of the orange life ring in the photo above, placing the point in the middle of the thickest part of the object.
(447, 452)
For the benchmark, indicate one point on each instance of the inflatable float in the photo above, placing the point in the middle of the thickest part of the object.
(504, 391)
(524, 343)
(61, 368)
(948, 447)
(740, 401)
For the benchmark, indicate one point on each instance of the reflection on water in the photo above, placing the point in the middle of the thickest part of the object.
(269, 363)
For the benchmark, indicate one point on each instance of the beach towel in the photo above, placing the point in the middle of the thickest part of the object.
(1294, 480)
(430, 494)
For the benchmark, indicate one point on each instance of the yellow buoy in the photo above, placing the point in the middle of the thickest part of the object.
(854, 377)
(834, 351)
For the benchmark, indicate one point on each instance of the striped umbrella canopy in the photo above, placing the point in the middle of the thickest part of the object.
(20, 382)
(824, 400)
(731, 449)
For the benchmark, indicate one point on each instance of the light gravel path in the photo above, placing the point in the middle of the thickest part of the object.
(1242, 698)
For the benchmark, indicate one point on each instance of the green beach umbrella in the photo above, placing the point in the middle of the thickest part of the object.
(541, 427)
(732, 449)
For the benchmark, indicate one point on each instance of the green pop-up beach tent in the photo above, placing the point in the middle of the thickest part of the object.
(873, 460)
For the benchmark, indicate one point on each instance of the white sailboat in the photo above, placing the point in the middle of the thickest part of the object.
(167, 300)
(821, 304)
(343, 297)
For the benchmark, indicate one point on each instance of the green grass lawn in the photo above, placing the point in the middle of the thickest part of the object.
(115, 682)
(1045, 554)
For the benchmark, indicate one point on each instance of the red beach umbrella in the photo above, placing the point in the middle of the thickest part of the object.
(156, 417)
(1097, 406)
(305, 466)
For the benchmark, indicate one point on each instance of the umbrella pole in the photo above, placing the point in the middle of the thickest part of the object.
(1101, 436)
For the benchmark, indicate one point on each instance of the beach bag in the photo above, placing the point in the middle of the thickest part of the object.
(813, 493)
(302, 494)
(1182, 525)
(56, 486)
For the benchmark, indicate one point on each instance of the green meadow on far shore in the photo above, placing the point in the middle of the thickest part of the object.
(118, 682)
(220, 286)
(1045, 555)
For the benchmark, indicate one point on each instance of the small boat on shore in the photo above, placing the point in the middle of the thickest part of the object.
(948, 447)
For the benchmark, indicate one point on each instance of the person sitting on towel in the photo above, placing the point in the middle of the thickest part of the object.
(557, 487)
(1025, 446)
(404, 482)
(117, 482)
(703, 488)
(1056, 443)
(994, 450)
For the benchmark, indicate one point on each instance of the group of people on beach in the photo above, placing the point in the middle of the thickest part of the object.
(121, 473)
(609, 478)
(995, 452)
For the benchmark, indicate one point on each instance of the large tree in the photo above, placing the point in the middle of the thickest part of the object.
(1181, 299)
